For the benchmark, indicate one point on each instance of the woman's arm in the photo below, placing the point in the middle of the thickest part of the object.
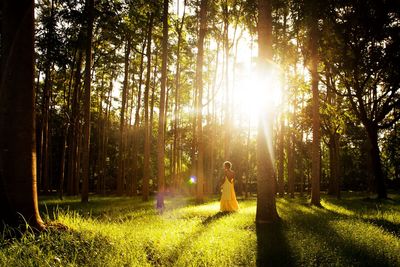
(231, 176)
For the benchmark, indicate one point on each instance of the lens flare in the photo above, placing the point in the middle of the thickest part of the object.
(192, 180)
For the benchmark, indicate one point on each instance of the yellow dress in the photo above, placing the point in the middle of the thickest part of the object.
(228, 198)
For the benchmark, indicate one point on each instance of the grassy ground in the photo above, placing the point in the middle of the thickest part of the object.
(110, 231)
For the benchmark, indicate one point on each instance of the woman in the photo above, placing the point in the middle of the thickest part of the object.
(228, 198)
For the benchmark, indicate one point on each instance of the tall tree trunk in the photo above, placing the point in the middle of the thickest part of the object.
(227, 123)
(121, 154)
(44, 139)
(281, 158)
(199, 105)
(62, 162)
(136, 124)
(161, 120)
(105, 138)
(86, 103)
(266, 205)
(146, 166)
(73, 129)
(316, 150)
(291, 178)
(18, 190)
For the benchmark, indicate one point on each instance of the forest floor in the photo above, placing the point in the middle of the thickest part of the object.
(123, 231)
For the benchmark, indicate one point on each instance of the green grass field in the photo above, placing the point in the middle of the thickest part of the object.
(111, 231)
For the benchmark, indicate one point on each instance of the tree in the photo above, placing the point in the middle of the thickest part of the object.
(199, 104)
(146, 163)
(266, 205)
(161, 121)
(316, 150)
(366, 59)
(18, 193)
(122, 152)
(86, 102)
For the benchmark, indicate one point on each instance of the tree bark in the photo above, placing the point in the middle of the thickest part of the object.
(161, 120)
(146, 167)
(281, 161)
(199, 105)
(136, 124)
(376, 161)
(18, 190)
(266, 206)
(316, 150)
(121, 152)
(228, 135)
(86, 103)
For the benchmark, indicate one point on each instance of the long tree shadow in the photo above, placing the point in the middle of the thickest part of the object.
(174, 256)
(272, 246)
(350, 249)
(371, 204)
(391, 227)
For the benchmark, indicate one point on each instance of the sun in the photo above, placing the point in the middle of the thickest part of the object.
(255, 92)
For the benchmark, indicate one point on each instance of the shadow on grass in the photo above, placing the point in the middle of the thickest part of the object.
(215, 217)
(272, 246)
(351, 250)
(393, 228)
(174, 256)
(98, 207)
(367, 204)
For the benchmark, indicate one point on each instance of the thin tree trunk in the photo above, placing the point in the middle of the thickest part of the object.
(281, 158)
(163, 106)
(136, 124)
(199, 105)
(227, 138)
(72, 135)
(177, 102)
(316, 150)
(146, 167)
(121, 154)
(86, 103)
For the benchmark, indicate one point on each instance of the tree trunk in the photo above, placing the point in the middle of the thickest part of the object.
(281, 161)
(290, 168)
(376, 162)
(146, 167)
(86, 103)
(266, 205)
(121, 152)
(316, 151)
(161, 121)
(227, 139)
(62, 168)
(73, 129)
(18, 191)
(333, 146)
(44, 139)
(199, 104)
(177, 103)
(136, 124)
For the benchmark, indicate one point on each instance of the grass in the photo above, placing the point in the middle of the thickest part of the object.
(111, 231)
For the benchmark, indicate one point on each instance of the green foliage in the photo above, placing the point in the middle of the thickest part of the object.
(354, 231)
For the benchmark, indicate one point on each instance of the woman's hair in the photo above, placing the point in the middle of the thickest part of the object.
(228, 165)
